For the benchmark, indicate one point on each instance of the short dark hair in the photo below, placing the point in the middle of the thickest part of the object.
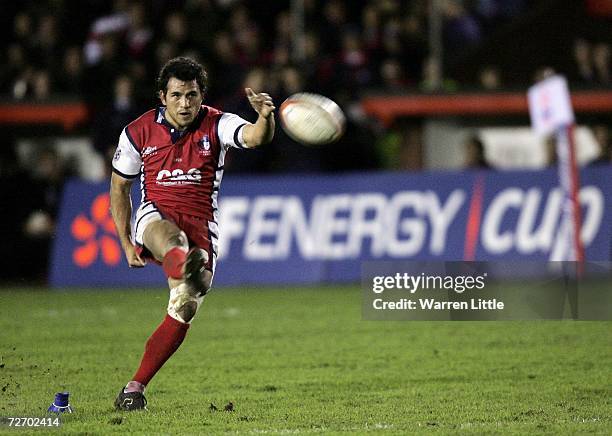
(185, 69)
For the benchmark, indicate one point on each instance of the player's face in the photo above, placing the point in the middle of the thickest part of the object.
(182, 100)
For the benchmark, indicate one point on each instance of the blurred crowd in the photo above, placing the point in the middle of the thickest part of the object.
(108, 52)
(53, 45)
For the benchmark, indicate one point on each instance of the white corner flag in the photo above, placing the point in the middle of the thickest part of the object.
(550, 108)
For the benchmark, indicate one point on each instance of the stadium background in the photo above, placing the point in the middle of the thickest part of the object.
(76, 72)
(434, 92)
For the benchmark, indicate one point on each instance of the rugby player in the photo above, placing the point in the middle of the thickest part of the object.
(178, 150)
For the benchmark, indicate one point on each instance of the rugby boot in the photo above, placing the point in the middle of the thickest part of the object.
(130, 401)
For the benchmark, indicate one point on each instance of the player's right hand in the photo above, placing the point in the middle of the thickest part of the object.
(133, 259)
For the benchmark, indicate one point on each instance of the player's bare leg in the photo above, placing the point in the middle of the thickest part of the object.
(188, 282)
(169, 245)
(187, 278)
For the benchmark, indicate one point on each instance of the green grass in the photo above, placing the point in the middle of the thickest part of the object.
(301, 361)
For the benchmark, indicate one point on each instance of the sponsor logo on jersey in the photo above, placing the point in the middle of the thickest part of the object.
(149, 150)
(193, 176)
(117, 155)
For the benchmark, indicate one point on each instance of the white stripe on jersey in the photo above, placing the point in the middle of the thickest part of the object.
(213, 237)
(228, 125)
(127, 160)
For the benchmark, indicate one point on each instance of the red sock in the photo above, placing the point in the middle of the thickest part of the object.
(161, 345)
(173, 262)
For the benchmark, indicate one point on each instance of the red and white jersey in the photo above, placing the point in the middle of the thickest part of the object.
(179, 171)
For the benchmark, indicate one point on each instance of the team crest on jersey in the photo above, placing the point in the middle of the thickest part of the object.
(204, 145)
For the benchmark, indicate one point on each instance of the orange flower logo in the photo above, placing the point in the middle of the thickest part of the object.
(95, 241)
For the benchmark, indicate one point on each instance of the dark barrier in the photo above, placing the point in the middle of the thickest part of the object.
(321, 228)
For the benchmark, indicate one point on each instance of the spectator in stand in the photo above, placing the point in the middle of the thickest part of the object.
(104, 71)
(583, 72)
(601, 63)
(70, 79)
(110, 121)
(33, 198)
(139, 37)
(543, 73)
(319, 67)
(12, 69)
(392, 44)
(332, 24)
(371, 28)
(247, 39)
(392, 76)
(490, 78)
(177, 32)
(256, 160)
(475, 154)
(493, 13)
(209, 12)
(284, 33)
(21, 86)
(460, 28)
(415, 46)
(281, 56)
(225, 71)
(602, 137)
(114, 24)
(49, 175)
(353, 64)
(433, 79)
(47, 45)
(164, 51)
(23, 31)
(291, 81)
(41, 85)
(15, 189)
(32, 84)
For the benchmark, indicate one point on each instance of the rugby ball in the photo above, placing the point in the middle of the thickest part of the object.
(312, 119)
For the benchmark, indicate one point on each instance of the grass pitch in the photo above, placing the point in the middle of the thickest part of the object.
(300, 361)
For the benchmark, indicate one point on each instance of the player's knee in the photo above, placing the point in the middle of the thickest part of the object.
(183, 304)
(178, 240)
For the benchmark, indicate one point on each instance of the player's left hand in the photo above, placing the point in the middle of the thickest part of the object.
(262, 102)
(133, 259)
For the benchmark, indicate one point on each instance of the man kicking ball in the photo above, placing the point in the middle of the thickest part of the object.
(178, 149)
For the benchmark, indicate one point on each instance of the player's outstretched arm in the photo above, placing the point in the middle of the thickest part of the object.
(262, 131)
(121, 209)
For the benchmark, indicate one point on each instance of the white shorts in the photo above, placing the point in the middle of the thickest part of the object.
(146, 213)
